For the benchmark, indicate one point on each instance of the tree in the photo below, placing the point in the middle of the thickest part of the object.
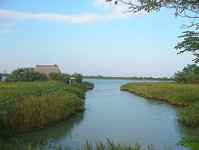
(189, 74)
(31, 75)
(192, 69)
(27, 74)
(65, 77)
(190, 44)
(55, 76)
(60, 77)
(183, 8)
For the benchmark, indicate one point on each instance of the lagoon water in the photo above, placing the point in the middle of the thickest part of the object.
(119, 116)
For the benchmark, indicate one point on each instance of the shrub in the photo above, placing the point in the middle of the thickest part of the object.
(189, 142)
(60, 77)
(190, 74)
(27, 74)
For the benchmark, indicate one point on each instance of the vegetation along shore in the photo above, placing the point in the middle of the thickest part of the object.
(25, 104)
(178, 94)
(188, 142)
(127, 78)
(183, 92)
(43, 109)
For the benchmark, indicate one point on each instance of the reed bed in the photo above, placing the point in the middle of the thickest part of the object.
(178, 94)
(12, 90)
(189, 115)
(187, 142)
(84, 86)
(44, 109)
(186, 95)
(110, 145)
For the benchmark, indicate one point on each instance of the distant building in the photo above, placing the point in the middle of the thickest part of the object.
(72, 80)
(47, 69)
(3, 78)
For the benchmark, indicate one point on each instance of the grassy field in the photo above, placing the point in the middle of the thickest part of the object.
(12, 90)
(178, 94)
(38, 110)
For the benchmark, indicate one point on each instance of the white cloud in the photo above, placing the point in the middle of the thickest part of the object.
(11, 17)
(119, 9)
(114, 11)
(99, 3)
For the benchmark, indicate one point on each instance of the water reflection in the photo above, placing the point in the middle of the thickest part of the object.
(52, 133)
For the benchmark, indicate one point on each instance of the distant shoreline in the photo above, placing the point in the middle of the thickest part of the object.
(129, 78)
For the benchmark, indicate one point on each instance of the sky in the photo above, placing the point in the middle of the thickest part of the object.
(90, 37)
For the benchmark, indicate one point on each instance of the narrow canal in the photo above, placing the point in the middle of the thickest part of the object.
(118, 115)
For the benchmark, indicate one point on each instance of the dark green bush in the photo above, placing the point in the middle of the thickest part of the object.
(190, 74)
(60, 77)
(26, 74)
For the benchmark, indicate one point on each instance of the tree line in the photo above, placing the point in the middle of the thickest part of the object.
(127, 78)
(29, 75)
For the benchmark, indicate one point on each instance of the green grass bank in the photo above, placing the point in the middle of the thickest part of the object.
(12, 90)
(188, 142)
(186, 95)
(39, 110)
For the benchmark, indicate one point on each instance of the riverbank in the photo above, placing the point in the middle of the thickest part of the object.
(110, 145)
(189, 142)
(185, 95)
(129, 78)
(40, 109)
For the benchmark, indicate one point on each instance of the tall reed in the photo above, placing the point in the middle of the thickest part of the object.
(186, 95)
(12, 90)
(189, 115)
(44, 109)
(179, 94)
(110, 145)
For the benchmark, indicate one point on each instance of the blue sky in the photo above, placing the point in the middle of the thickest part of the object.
(90, 37)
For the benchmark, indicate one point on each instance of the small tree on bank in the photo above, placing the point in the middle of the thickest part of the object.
(190, 74)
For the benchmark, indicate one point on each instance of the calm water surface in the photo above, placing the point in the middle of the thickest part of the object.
(118, 115)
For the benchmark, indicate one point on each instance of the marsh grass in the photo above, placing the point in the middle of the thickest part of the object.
(12, 90)
(188, 142)
(186, 95)
(189, 115)
(178, 94)
(110, 145)
(43, 145)
(84, 86)
(40, 110)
